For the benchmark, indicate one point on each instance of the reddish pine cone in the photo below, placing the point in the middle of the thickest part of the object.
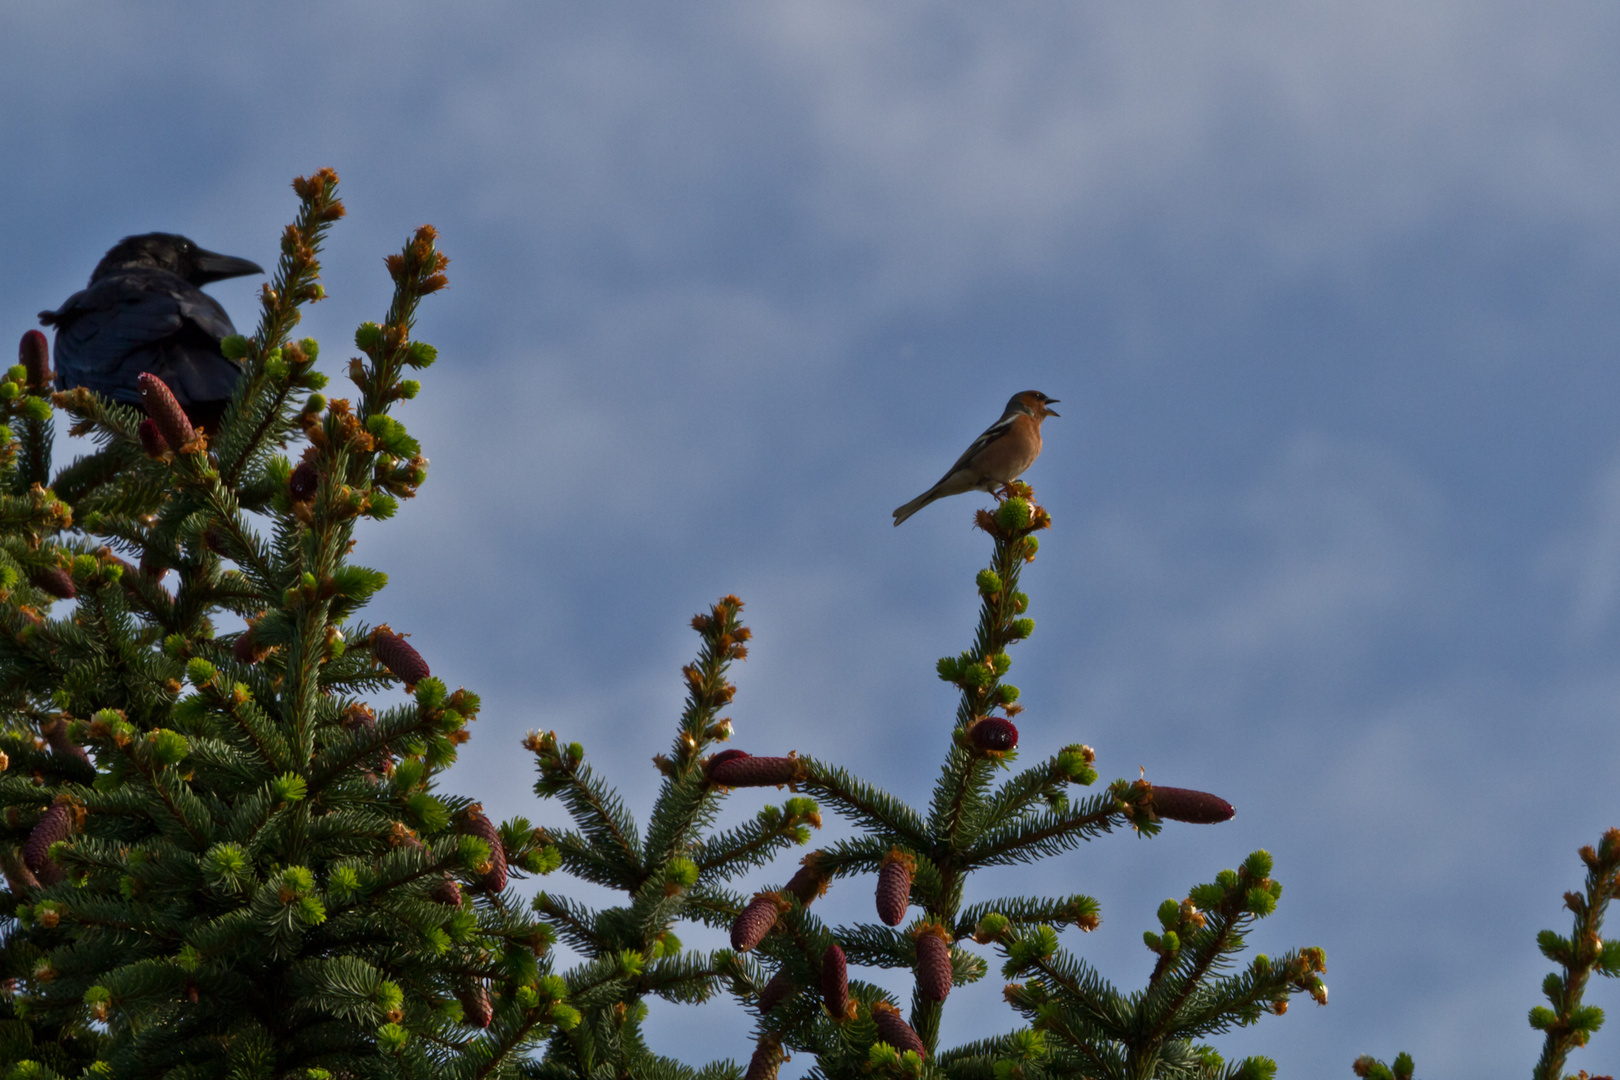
(894, 886)
(809, 882)
(778, 990)
(1184, 804)
(475, 1008)
(446, 892)
(244, 648)
(474, 823)
(34, 354)
(895, 1031)
(745, 770)
(158, 400)
(304, 482)
(55, 731)
(994, 733)
(396, 654)
(722, 757)
(835, 982)
(756, 921)
(767, 1059)
(153, 444)
(57, 824)
(53, 580)
(19, 879)
(360, 717)
(933, 964)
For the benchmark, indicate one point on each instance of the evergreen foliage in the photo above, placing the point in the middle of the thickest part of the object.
(1569, 1023)
(222, 860)
(792, 969)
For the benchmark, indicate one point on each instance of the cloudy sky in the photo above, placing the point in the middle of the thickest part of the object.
(1327, 292)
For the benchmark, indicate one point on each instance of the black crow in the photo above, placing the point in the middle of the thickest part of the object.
(144, 311)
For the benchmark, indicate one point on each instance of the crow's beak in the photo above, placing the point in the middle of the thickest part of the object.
(212, 266)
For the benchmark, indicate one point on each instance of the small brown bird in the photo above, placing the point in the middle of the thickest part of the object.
(998, 457)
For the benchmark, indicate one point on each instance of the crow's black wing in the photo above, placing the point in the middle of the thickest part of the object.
(141, 320)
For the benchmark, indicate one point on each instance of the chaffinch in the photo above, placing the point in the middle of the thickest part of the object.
(998, 457)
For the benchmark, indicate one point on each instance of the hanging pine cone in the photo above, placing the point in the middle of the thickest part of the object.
(734, 768)
(304, 482)
(19, 879)
(34, 354)
(894, 886)
(359, 717)
(933, 964)
(474, 823)
(153, 444)
(835, 982)
(810, 881)
(756, 920)
(1196, 807)
(894, 1030)
(778, 990)
(767, 1059)
(56, 824)
(158, 401)
(995, 734)
(446, 892)
(475, 1007)
(54, 581)
(396, 654)
(62, 746)
(245, 649)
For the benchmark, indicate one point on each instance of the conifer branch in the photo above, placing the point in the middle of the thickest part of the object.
(1569, 1023)
(864, 804)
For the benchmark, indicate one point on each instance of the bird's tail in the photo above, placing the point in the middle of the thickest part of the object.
(916, 504)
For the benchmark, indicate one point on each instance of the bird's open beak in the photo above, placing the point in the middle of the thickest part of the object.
(212, 266)
(1048, 406)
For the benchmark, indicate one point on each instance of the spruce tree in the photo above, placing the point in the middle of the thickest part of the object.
(225, 857)
(794, 972)
(222, 860)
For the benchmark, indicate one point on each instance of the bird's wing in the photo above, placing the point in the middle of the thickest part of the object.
(990, 435)
(141, 320)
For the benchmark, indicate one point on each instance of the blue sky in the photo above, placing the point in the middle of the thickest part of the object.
(1326, 292)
